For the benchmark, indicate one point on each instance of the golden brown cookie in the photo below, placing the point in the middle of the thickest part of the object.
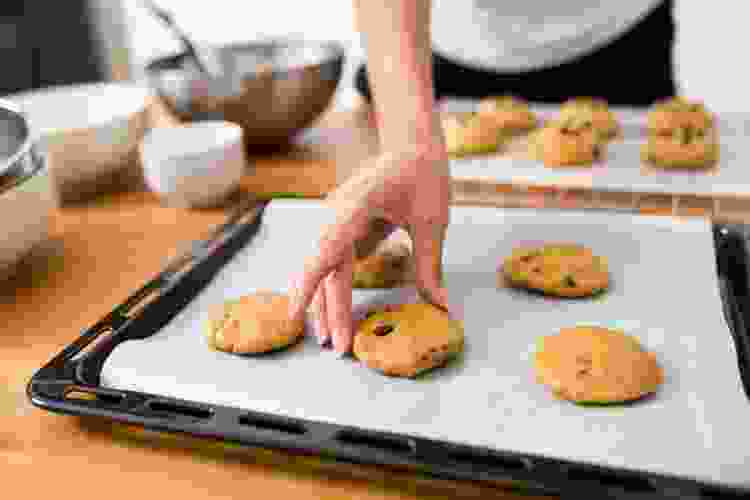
(387, 267)
(253, 324)
(470, 134)
(409, 339)
(572, 142)
(678, 112)
(596, 111)
(563, 270)
(682, 148)
(594, 365)
(510, 114)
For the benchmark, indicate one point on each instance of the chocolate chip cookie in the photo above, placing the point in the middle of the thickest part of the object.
(253, 324)
(563, 270)
(594, 365)
(408, 339)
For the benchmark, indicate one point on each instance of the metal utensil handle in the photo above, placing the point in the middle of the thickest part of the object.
(168, 19)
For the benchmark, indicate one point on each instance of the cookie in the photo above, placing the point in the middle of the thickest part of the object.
(595, 110)
(594, 365)
(406, 340)
(572, 142)
(387, 267)
(470, 134)
(509, 113)
(253, 324)
(683, 148)
(671, 114)
(563, 270)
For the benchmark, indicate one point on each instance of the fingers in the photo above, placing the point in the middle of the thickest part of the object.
(332, 250)
(320, 315)
(338, 292)
(428, 238)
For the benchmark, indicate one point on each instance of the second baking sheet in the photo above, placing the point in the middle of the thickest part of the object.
(622, 169)
(664, 291)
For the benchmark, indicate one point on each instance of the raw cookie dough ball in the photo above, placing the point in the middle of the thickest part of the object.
(509, 113)
(387, 267)
(596, 365)
(595, 110)
(253, 324)
(683, 148)
(470, 134)
(563, 270)
(409, 339)
(572, 142)
(678, 112)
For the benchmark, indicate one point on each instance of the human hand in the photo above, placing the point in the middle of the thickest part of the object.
(406, 189)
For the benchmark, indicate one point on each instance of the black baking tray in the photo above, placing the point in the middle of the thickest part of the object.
(75, 371)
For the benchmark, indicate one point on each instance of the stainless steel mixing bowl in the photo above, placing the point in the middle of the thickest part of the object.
(272, 89)
(26, 200)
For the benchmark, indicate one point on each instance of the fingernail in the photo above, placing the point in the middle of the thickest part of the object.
(338, 339)
(456, 312)
(455, 309)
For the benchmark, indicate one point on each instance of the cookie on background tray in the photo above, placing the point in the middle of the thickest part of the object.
(511, 114)
(406, 340)
(684, 147)
(572, 142)
(560, 269)
(595, 365)
(471, 134)
(253, 324)
(596, 111)
(670, 114)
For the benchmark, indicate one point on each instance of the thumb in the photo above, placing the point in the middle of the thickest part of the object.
(428, 238)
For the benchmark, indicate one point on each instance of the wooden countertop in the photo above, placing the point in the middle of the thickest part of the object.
(97, 255)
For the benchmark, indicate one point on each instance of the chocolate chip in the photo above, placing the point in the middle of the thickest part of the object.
(569, 281)
(383, 330)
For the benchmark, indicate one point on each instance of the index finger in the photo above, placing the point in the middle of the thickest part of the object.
(332, 249)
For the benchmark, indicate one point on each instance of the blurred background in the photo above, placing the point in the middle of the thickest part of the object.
(44, 43)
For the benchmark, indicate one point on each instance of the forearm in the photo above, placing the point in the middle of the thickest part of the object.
(399, 63)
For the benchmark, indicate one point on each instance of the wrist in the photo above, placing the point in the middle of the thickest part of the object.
(420, 132)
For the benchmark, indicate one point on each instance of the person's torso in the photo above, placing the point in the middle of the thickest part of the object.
(520, 35)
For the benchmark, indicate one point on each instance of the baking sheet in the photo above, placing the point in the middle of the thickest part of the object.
(622, 169)
(664, 291)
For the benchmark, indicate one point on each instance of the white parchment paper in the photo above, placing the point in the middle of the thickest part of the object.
(622, 170)
(664, 291)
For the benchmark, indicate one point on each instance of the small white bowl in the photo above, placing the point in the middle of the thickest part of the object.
(194, 165)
